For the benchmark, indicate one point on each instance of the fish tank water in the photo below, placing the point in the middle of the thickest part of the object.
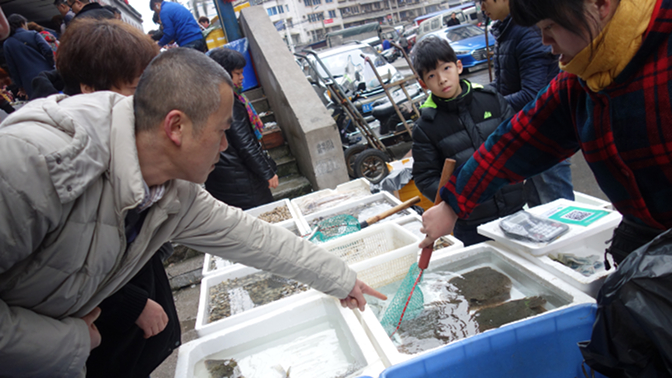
(466, 296)
(310, 338)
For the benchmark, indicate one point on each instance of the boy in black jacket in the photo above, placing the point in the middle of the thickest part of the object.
(456, 119)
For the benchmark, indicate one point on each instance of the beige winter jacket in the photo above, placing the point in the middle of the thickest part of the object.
(68, 174)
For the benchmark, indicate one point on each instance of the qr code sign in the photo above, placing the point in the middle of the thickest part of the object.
(577, 215)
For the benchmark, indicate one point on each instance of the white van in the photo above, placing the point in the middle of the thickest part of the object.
(438, 22)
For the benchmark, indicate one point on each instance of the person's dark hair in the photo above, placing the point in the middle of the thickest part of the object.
(203, 18)
(59, 2)
(156, 18)
(229, 59)
(570, 14)
(112, 9)
(152, 2)
(428, 52)
(187, 80)
(34, 26)
(15, 21)
(81, 60)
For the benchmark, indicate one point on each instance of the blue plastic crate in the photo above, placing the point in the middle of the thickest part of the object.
(544, 346)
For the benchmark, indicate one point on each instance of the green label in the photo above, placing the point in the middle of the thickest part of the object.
(578, 215)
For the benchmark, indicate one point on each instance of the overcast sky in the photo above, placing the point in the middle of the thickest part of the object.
(142, 6)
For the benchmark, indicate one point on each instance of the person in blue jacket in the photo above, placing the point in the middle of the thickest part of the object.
(523, 67)
(27, 54)
(178, 25)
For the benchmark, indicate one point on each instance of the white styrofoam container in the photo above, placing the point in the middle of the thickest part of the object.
(295, 225)
(579, 240)
(274, 328)
(257, 211)
(413, 223)
(592, 201)
(326, 198)
(372, 241)
(309, 219)
(203, 327)
(572, 238)
(376, 271)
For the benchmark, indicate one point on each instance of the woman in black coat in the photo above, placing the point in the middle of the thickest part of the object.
(245, 173)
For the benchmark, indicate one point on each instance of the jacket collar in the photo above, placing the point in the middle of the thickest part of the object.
(452, 104)
(500, 27)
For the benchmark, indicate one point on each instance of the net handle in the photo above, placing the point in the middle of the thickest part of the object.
(388, 212)
(448, 168)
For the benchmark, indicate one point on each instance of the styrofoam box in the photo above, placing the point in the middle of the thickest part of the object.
(379, 272)
(579, 240)
(326, 198)
(583, 198)
(386, 197)
(281, 326)
(413, 223)
(203, 327)
(293, 225)
(372, 241)
(257, 211)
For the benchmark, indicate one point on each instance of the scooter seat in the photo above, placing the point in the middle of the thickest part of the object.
(383, 111)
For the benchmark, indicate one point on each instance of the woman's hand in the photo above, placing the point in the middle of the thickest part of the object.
(273, 182)
(436, 222)
(152, 319)
(356, 297)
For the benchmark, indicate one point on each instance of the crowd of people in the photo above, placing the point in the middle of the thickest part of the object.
(109, 162)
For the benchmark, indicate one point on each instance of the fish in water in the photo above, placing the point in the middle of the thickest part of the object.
(223, 368)
(482, 287)
(497, 316)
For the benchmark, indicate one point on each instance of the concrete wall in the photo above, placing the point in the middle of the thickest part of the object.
(307, 125)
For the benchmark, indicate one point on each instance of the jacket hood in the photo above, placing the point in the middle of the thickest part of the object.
(88, 154)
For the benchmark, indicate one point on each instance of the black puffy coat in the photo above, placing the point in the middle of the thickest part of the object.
(523, 65)
(241, 176)
(455, 129)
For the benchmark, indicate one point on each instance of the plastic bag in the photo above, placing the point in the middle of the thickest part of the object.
(632, 335)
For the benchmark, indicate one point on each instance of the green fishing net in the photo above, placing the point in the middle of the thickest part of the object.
(334, 227)
(394, 310)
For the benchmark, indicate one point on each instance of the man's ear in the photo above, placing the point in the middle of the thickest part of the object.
(86, 88)
(422, 84)
(175, 125)
(459, 67)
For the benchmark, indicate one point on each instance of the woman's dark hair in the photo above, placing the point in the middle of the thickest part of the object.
(15, 21)
(203, 18)
(34, 26)
(82, 60)
(570, 14)
(429, 51)
(229, 59)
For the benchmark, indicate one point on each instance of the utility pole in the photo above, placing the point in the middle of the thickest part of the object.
(227, 16)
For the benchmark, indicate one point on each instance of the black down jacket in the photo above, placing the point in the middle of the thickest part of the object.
(523, 65)
(455, 129)
(241, 176)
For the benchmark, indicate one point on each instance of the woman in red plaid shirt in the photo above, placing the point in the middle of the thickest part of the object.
(613, 102)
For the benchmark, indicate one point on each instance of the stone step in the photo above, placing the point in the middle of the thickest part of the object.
(261, 105)
(291, 187)
(280, 151)
(254, 94)
(286, 166)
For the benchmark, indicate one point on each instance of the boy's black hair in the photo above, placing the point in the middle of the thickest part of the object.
(428, 52)
(229, 59)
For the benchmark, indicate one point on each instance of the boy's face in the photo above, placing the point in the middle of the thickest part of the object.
(496, 9)
(444, 80)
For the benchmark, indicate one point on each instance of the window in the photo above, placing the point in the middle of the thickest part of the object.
(272, 11)
(332, 14)
(307, 3)
(287, 8)
(317, 2)
(315, 17)
(281, 9)
(328, 1)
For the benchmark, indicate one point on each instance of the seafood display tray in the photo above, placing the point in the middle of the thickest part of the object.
(293, 225)
(384, 198)
(372, 241)
(579, 240)
(287, 325)
(257, 211)
(203, 327)
(544, 346)
(392, 267)
(326, 198)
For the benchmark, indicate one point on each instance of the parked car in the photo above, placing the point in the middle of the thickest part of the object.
(411, 33)
(348, 68)
(468, 41)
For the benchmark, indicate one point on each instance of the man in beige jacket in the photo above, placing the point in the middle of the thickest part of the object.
(92, 185)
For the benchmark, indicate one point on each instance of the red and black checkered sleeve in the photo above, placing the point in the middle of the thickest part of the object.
(532, 141)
